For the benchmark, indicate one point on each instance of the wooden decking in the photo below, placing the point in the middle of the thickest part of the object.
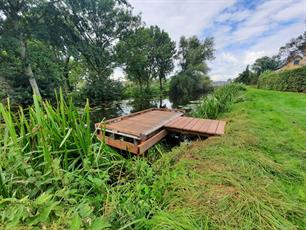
(196, 126)
(139, 131)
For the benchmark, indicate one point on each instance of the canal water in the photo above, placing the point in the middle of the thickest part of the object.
(125, 107)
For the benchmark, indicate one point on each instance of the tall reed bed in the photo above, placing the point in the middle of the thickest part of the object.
(212, 105)
(55, 174)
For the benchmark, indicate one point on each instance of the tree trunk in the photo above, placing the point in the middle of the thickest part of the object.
(160, 91)
(66, 75)
(27, 67)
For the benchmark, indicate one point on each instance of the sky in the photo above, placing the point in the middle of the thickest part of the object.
(244, 30)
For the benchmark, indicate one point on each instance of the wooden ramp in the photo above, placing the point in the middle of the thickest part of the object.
(137, 132)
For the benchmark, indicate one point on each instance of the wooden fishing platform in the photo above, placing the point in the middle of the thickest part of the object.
(137, 132)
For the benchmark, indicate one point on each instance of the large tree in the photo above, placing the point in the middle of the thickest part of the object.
(20, 20)
(163, 53)
(146, 54)
(266, 63)
(75, 31)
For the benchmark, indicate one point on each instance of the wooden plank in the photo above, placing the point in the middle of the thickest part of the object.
(173, 122)
(203, 126)
(151, 141)
(212, 128)
(187, 121)
(192, 124)
(181, 123)
(123, 145)
(197, 126)
(221, 127)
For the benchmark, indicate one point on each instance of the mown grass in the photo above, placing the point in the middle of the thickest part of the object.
(55, 175)
(253, 177)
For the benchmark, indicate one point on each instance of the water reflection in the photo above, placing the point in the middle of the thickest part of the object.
(125, 107)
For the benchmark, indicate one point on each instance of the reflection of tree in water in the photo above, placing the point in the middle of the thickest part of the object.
(141, 104)
(104, 112)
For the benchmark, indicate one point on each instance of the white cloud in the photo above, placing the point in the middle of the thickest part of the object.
(251, 56)
(180, 17)
(295, 10)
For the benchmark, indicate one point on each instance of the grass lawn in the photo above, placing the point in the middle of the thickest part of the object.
(253, 177)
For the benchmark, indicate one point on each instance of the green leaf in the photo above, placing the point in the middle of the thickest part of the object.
(65, 138)
(76, 222)
(43, 198)
(100, 223)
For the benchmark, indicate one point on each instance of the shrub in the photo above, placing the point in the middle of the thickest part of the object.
(218, 102)
(288, 80)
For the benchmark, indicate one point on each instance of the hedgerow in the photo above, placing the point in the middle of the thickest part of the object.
(288, 80)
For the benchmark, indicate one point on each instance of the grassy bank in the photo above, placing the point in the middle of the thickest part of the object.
(54, 173)
(251, 178)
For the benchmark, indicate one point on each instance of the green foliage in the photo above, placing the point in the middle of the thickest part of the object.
(193, 53)
(266, 63)
(246, 77)
(188, 86)
(287, 80)
(45, 65)
(192, 81)
(101, 89)
(220, 101)
(44, 42)
(260, 65)
(146, 55)
(53, 173)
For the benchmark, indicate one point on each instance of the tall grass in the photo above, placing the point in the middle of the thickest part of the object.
(55, 174)
(212, 105)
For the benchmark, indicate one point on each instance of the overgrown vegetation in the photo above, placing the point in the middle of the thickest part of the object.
(288, 80)
(218, 102)
(53, 173)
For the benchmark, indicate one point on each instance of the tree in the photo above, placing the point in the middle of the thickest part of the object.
(245, 76)
(260, 65)
(192, 80)
(295, 45)
(163, 53)
(146, 54)
(266, 63)
(73, 31)
(20, 19)
(193, 53)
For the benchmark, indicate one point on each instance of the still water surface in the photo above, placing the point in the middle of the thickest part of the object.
(125, 107)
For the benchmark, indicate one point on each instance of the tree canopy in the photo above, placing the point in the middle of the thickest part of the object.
(77, 31)
(145, 55)
(192, 80)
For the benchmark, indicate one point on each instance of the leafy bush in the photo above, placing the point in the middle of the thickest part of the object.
(288, 80)
(218, 102)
